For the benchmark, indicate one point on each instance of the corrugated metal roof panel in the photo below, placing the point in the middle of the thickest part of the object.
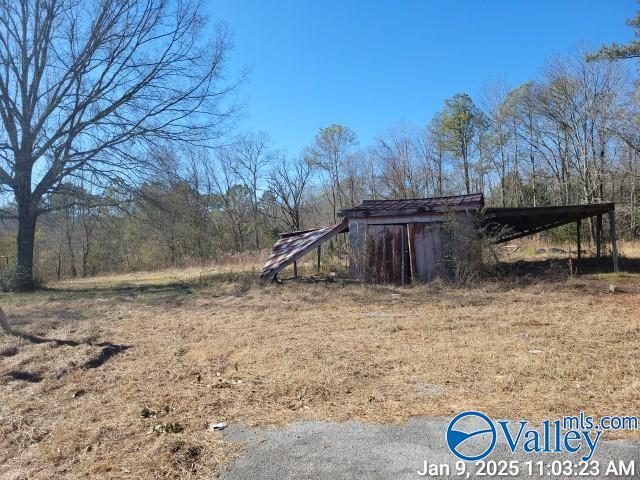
(294, 245)
(395, 207)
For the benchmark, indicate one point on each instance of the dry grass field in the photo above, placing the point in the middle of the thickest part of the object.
(120, 377)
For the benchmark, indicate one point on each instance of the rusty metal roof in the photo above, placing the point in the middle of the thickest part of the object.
(506, 224)
(294, 245)
(417, 205)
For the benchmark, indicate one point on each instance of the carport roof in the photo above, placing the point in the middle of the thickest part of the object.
(507, 224)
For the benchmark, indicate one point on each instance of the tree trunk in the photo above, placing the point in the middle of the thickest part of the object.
(25, 241)
(59, 266)
(4, 324)
(255, 227)
(439, 172)
(465, 164)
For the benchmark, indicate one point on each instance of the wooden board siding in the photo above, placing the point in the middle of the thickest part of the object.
(381, 253)
(396, 257)
(430, 245)
(357, 252)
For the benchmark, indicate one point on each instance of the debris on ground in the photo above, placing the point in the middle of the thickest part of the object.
(217, 426)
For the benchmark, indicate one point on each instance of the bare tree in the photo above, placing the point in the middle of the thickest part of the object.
(85, 85)
(433, 147)
(402, 171)
(498, 112)
(329, 151)
(252, 157)
(287, 185)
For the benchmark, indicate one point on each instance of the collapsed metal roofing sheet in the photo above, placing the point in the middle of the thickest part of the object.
(394, 207)
(294, 245)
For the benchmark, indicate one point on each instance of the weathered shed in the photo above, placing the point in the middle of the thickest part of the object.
(397, 241)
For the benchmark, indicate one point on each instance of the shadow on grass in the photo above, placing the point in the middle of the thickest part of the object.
(558, 269)
(240, 283)
(24, 376)
(107, 351)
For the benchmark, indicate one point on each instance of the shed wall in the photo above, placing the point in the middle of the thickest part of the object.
(379, 253)
(397, 253)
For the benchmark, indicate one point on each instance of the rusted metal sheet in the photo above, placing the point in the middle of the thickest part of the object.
(370, 208)
(294, 245)
(506, 224)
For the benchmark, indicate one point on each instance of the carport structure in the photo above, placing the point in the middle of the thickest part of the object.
(407, 240)
(506, 224)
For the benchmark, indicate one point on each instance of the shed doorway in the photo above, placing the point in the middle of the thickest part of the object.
(405, 253)
(427, 250)
(387, 254)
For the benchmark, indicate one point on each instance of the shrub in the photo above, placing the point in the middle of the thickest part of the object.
(469, 255)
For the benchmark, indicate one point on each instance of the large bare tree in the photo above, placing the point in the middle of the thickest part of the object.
(86, 85)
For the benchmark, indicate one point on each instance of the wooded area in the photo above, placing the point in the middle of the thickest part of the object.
(97, 152)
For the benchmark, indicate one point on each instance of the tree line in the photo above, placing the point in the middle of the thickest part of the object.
(117, 151)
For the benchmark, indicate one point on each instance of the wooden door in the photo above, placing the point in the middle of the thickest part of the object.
(429, 243)
(388, 257)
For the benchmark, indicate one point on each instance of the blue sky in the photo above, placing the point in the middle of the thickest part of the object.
(370, 65)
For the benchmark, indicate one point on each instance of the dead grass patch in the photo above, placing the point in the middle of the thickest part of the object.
(205, 347)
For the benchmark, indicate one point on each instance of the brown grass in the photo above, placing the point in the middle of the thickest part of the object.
(214, 345)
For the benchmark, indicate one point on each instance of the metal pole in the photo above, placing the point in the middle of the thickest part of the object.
(614, 246)
(599, 235)
(578, 225)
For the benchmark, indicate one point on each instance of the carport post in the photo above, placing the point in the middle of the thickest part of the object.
(318, 259)
(614, 246)
(578, 225)
(598, 235)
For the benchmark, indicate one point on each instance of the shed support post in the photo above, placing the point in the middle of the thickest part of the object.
(295, 269)
(614, 246)
(318, 259)
(599, 235)
(578, 225)
(412, 253)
